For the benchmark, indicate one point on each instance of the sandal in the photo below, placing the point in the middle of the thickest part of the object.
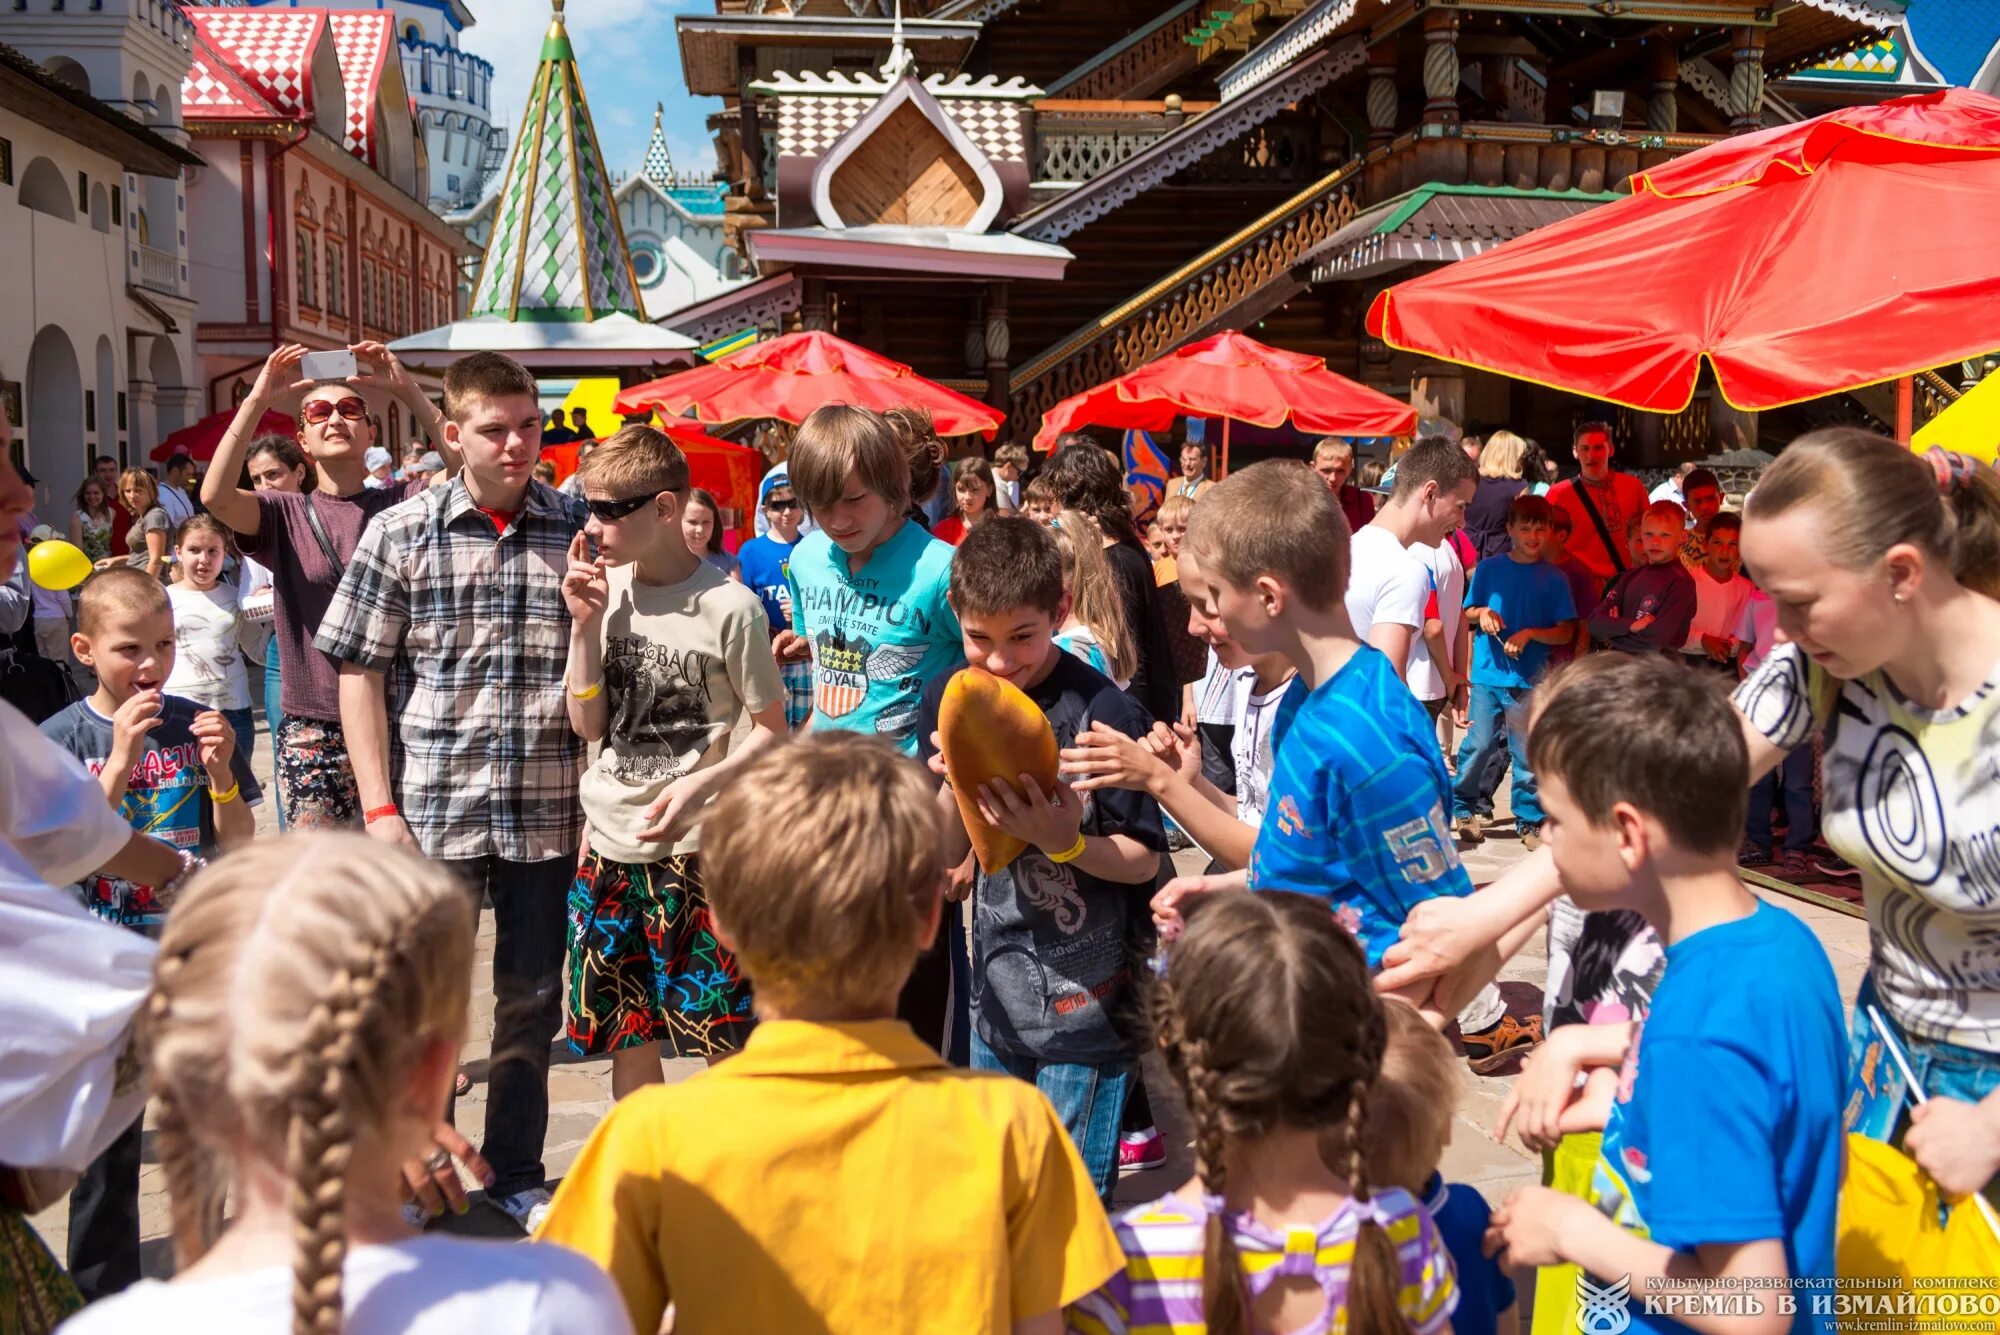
(461, 1086)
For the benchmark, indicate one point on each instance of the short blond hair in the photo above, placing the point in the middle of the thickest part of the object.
(835, 912)
(1411, 1104)
(119, 590)
(1328, 446)
(838, 439)
(1174, 507)
(1274, 518)
(480, 376)
(637, 460)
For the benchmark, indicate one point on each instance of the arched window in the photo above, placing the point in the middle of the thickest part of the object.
(305, 226)
(336, 259)
(44, 190)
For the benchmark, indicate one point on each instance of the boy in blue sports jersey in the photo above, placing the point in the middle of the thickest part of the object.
(1356, 808)
(765, 563)
(1721, 1110)
(869, 590)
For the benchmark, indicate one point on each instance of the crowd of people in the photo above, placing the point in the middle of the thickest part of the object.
(707, 800)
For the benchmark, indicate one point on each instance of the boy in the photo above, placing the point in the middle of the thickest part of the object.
(835, 1175)
(1333, 460)
(1720, 593)
(1701, 493)
(1721, 1157)
(763, 563)
(1356, 807)
(666, 657)
(174, 771)
(1009, 462)
(1521, 607)
(1390, 581)
(1647, 610)
(458, 593)
(868, 589)
(1040, 502)
(1053, 932)
(1586, 590)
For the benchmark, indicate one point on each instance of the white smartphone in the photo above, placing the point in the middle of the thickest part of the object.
(336, 365)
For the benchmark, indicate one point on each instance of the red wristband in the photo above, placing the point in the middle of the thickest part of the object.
(373, 814)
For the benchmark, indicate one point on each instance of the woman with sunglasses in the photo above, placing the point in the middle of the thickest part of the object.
(306, 540)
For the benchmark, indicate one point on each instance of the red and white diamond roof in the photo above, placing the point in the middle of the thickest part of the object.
(271, 49)
(257, 64)
(365, 44)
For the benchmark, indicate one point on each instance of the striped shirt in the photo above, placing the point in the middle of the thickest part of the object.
(471, 628)
(1159, 1290)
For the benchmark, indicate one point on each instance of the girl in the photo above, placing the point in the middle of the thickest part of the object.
(147, 538)
(974, 488)
(701, 521)
(1095, 628)
(308, 1003)
(1269, 1024)
(211, 636)
(90, 526)
(276, 464)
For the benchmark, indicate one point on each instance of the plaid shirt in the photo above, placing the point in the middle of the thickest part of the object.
(474, 636)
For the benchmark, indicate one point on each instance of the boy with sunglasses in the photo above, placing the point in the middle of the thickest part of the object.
(765, 562)
(666, 656)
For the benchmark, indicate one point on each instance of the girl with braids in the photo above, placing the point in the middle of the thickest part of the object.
(308, 1004)
(1273, 1033)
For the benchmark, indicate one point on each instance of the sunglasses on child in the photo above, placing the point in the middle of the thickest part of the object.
(781, 505)
(609, 510)
(322, 410)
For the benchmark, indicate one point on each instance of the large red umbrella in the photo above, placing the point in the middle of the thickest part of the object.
(724, 469)
(199, 441)
(789, 376)
(1800, 261)
(1232, 376)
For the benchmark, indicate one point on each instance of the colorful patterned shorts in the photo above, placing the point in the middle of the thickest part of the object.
(798, 679)
(644, 964)
(315, 781)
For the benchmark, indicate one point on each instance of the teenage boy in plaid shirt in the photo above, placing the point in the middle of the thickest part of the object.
(452, 635)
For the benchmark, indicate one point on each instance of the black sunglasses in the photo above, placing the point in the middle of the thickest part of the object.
(617, 509)
(781, 505)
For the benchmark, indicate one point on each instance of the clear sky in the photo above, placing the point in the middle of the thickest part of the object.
(629, 59)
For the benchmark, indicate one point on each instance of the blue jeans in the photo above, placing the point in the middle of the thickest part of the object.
(243, 722)
(1088, 1099)
(1945, 1070)
(1487, 730)
(1793, 778)
(274, 715)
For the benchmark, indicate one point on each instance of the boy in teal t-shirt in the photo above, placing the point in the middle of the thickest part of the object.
(869, 589)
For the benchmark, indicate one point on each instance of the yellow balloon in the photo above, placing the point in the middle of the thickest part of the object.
(58, 565)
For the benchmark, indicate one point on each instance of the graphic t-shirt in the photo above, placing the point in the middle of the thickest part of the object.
(682, 662)
(1736, 1077)
(1251, 749)
(1662, 592)
(167, 797)
(877, 636)
(1912, 799)
(762, 564)
(209, 639)
(1619, 498)
(1053, 947)
(1357, 802)
(1527, 596)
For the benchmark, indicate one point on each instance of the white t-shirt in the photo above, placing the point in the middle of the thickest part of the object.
(1756, 626)
(1250, 748)
(1670, 490)
(433, 1285)
(1388, 585)
(1717, 608)
(177, 505)
(1447, 574)
(210, 640)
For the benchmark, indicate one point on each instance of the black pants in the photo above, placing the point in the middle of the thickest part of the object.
(935, 999)
(104, 1219)
(530, 929)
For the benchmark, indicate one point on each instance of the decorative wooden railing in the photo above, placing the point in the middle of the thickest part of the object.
(1197, 296)
(1141, 63)
(1077, 141)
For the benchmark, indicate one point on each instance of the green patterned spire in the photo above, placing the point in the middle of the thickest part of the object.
(557, 252)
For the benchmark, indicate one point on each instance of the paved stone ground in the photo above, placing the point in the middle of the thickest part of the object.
(580, 1090)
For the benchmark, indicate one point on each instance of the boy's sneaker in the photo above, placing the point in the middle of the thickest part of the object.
(527, 1208)
(1141, 1153)
(1831, 864)
(1490, 1049)
(1177, 839)
(1791, 865)
(1753, 855)
(1471, 830)
(1531, 837)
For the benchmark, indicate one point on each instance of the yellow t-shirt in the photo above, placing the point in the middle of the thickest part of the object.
(837, 1178)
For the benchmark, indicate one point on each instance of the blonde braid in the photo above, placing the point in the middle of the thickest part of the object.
(194, 1179)
(1375, 1278)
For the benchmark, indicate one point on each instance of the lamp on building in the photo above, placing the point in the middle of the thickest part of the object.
(1607, 109)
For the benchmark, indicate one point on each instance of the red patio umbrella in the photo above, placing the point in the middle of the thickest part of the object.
(1849, 249)
(199, 441)
(1232, 376)
(726, 470)
(789, 376)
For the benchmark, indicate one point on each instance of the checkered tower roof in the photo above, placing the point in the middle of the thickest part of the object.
(257, 63)
(557, 252)
(659, 164)
(269, 49)
(364, 42)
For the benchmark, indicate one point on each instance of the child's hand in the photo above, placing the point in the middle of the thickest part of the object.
(673, 813)
(129, 726)
(1957, 1143)
(1516, 642)
(1178, 747)
(1167, 903)
(936, 762)
(1720, 647)
(1528, 1228)
(1640, 623)
(585, 591)
(788, 646)
(1491, 621)
(1546, 1086)
(1051, 826)
(217, 741)
(1104, 757)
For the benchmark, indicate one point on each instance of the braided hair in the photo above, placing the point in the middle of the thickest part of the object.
(298, 984)
(1267, 1018)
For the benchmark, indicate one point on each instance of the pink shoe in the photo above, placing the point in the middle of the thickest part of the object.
(1141, 1153)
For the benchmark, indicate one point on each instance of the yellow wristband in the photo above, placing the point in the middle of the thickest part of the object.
(1070, 854)
(591, 692)
(221, 799)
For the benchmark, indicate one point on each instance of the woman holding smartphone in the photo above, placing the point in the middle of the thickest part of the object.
(307, 538)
